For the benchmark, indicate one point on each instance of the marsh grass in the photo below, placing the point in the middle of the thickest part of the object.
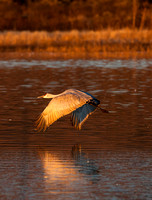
(105, 41)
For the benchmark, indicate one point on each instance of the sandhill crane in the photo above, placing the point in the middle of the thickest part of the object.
(81, 104)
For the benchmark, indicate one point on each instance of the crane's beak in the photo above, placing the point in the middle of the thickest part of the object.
(41, 96)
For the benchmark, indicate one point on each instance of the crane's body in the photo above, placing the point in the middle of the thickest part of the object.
(80, 103)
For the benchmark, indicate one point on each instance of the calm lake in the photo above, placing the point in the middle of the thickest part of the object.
(109, 159)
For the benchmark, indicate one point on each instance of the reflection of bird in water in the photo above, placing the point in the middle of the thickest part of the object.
(64, 172)
(86, 165)
(81, 104)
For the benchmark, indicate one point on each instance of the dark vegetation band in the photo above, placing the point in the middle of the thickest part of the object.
(52, 15)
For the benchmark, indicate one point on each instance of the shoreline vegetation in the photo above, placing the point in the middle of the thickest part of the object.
(106, 43)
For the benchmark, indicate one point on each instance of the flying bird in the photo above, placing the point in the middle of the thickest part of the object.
(81, 104)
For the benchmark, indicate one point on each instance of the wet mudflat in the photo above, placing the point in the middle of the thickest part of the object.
(110, 158)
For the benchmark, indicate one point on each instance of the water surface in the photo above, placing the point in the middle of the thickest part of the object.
(110, 158)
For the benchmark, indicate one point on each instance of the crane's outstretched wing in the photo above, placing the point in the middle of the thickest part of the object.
(80, 115)
(58, 107)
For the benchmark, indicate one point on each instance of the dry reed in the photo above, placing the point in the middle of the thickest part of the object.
(124, 40)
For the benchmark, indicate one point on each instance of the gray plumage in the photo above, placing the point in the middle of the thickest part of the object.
(80, 103)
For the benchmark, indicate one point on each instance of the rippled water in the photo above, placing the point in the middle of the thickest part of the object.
(110, 158)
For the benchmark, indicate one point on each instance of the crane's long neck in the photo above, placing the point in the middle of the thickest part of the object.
(50, 96)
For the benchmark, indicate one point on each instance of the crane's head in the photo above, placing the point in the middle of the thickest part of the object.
(44, 96)
(47, 96)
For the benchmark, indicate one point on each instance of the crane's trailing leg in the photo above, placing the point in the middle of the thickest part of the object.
(96, 103)
(103, 110)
